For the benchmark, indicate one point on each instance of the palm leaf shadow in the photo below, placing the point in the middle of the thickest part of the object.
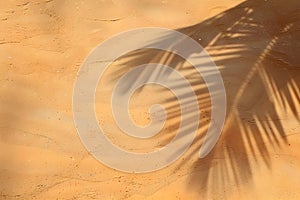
(255, 44)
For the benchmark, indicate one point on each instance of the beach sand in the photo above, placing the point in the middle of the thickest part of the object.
(255, 45)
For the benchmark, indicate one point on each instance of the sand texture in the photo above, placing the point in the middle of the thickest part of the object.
(255, 45)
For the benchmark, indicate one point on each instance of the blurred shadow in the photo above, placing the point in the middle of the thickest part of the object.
(255, 46)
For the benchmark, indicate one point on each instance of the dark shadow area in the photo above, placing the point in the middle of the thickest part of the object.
(255, 45)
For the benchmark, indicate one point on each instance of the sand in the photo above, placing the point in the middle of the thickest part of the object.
(255, 45)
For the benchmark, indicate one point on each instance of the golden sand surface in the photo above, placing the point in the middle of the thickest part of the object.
(254, 43)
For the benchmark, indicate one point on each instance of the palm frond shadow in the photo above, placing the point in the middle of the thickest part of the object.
(255, 46)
